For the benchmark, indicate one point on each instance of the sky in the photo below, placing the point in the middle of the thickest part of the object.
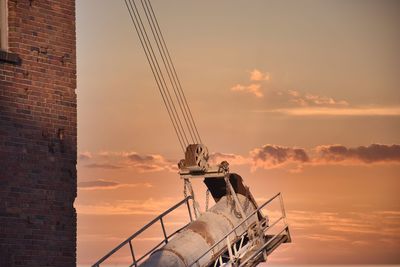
(300, 97)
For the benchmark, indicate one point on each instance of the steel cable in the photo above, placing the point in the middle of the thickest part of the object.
(157, 34)
(175, 73)
(160, 81)
(160, 73)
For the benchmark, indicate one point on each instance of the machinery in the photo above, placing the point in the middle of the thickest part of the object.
(236, 231)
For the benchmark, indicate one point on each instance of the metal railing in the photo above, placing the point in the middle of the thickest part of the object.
(254, 213)
(155, 220)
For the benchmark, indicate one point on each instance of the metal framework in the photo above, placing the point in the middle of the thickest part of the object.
(240, 252)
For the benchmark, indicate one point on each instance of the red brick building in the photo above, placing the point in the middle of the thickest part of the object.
(37, 133)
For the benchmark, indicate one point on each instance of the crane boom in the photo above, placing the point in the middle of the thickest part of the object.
(235, 231)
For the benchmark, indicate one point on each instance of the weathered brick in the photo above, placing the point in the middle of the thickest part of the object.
(37, 168)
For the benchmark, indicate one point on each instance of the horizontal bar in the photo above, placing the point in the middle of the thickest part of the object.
(212, 172)
(150, 251)
(263, 247)
(274, 223)
(141, 230)
(234, 229)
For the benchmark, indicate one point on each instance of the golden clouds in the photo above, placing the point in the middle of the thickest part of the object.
(128, 207)
(375, 153)
(218, 157)
(273, 156)
(294, 102)
(294, 159)
(324, 111)
(101, 184)
(257, 75)
(268, 156)
(133, 160)
(253, 88)
(284, 97)
(306, 99)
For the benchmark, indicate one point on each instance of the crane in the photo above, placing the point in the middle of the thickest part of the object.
(235, 231)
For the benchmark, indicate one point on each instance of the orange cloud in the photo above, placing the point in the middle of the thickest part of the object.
(307, 99)
(285, 98)
(217, 157)
(253, 88)
(268, 156)
(85, 155)
(257, 75)
(294, 159)
(331, 111)
(101, 184)
(139, 162)
(150, 163)
(102, 166)
(272, 156)
(366, 154)
(129, 207)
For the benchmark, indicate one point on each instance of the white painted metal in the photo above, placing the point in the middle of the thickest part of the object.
(200, 236)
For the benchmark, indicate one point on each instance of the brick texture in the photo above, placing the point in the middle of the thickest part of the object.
(38, 136)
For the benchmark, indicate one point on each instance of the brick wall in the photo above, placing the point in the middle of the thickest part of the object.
(38, 135)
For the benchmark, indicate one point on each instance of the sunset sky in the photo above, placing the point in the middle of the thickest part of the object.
(301, 97)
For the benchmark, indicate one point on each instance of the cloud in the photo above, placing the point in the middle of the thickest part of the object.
(284, 98)
(233, 159)
(374, 153)
(346, 226)
(253, 88)
(149, 163)
(85, 155)
(97, 184)
(271, 156)
(294, 159)
(257, 75)
(134, 157)
(306, 99)
(129, 207)
(140, 162)
(325, 238)
(101, 184)
(102, 166)
(268, 156)
(325, 111)
(293, 102)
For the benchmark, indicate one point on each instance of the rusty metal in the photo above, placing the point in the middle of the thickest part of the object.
(200, 227)
(196, 159)
(201, 235)
(285, 238)
(217, 235)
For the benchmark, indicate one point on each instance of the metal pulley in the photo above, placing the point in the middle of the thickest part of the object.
(196, 159)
